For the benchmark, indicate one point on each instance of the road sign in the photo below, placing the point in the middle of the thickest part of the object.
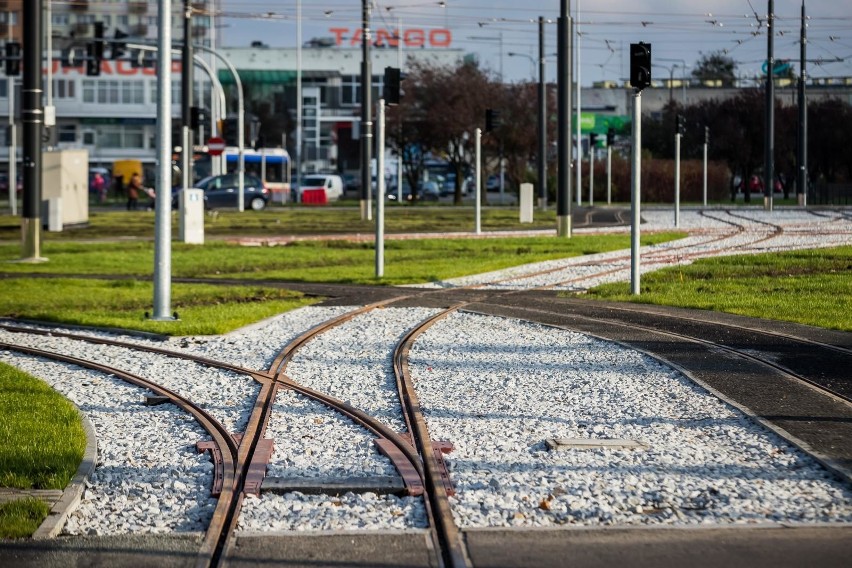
(215, 146)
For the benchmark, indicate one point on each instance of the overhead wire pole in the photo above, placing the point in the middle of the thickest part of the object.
(299, 101)
(769, 144)
(564, 144)
(579, 113)
(366, 113)
(542, 120)
(186, 94)
(163, 205)
(32, 119)
(802, 157)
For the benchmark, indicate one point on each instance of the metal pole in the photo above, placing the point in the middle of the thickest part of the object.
(13, 149)
(635, 192)
(477, 187)
(564, 142)
(399, 156)
(677, 182)
(542, 120)
(380, 190)
(769, 145)
(704, 184)
(298, 94)
(591, 173)
(478, 199)
(163, 205)
(608, 174)
(186, 91)
(579, 113)
(366, 112)
(32, 119)
(802, 158)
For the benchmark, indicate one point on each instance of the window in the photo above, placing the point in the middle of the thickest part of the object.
(67, 133)
(64, 88)
(10, 18)
(120, 136)
(4, 88)
(113, 92)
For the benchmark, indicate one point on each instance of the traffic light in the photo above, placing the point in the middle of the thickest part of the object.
(593, 139)
(259, 142)
(229, 131)
(13, 59)
(640, 65)
(119, 48)
(197, 117)
(99, 40)
(393, 78)
(707, 135)
(93, 64)
(492, 119)
(680, 125)
(610, 137)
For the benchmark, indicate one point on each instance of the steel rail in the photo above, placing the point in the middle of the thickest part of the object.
(216, 429)
(445, 532)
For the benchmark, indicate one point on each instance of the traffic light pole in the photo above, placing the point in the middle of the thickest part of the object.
(591, 172)
(478, 199)
(704, 184)
(380, 190)
(635, 192)
(677, 181)
(542, 120)
(32, 119)
(608, 174)
(163, 204)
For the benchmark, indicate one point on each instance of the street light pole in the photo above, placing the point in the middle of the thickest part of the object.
(564, 86)
(366, 112)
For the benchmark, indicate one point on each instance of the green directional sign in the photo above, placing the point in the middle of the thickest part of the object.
(600, 123)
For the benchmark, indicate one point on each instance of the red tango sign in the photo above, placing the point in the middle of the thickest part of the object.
(410, 37)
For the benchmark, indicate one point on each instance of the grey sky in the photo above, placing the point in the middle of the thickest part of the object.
(678, 31)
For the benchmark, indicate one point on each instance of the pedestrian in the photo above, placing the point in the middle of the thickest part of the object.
(133, 189)
(99, 187)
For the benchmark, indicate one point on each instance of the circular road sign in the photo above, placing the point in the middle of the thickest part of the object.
(215, 146)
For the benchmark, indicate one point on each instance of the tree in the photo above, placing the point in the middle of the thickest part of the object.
(716, 66)
(444, 106)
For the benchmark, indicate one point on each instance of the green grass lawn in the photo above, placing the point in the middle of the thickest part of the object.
(812, 287)
(43, 444)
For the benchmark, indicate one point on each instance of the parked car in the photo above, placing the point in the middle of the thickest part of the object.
(331, 183)
(4, 183)
(223, 191)
(428, 191)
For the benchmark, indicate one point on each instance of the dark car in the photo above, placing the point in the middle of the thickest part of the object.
(223, 191)
(428, 191)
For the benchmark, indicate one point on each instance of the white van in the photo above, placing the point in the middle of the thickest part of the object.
(333, 185)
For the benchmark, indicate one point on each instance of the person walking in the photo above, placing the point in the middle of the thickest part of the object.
(133, 190)
(99, 187)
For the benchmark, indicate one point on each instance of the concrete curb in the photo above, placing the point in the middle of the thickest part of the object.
(52, 525)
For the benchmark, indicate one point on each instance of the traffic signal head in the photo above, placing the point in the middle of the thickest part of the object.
(197, 117)
(93, 64)
(640, 65)
(680, 125)
(13, 59)
(118, 47)
(99, 40)
(706, 134)
(229, 131)
(610, 137)
(593, 139)
(393, 78)
(492, 119)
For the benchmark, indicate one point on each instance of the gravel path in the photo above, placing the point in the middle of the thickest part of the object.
(496, 388)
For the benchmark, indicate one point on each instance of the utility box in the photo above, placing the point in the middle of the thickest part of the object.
(526, 202)
(191, 214)
(64, 188)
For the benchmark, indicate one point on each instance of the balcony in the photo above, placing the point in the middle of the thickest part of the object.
(137, 7)
(79, 5)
